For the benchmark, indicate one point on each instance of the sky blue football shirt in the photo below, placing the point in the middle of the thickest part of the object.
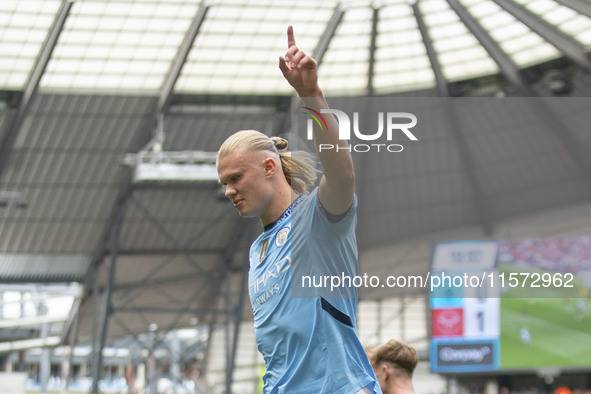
(309, 342)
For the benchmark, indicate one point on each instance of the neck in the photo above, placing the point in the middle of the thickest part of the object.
(400, 387)
(281, 201)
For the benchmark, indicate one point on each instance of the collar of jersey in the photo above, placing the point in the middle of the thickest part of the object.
(285, 213)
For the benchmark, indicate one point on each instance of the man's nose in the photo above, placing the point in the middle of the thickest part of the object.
(229, 192)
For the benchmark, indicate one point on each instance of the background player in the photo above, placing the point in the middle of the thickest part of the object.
(394, 363)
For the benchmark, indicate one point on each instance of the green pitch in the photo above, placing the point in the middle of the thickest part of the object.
(559, 332)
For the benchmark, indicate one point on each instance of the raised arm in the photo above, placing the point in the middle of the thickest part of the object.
(337, 184)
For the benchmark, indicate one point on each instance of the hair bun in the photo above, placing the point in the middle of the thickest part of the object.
(280, 143)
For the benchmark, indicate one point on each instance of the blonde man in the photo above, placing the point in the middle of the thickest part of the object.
(309, 344)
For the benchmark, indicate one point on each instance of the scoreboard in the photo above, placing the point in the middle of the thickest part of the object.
(521, 304)
(465, 326)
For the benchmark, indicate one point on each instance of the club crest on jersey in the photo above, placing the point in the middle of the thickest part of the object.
(281, 237)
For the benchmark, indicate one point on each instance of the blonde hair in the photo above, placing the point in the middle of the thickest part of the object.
(403, 357)
(299, 172)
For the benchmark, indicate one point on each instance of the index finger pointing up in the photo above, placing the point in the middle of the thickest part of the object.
(290, 37)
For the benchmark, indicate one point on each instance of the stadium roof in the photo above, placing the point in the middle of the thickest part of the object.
(129, 46)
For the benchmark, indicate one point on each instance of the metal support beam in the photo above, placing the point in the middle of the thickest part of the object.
(167, 310)
(188, 305)
(32, 85)
(127, 290)
(565, 44)
(153, 373)
(226, 259)
(435, 65)
(136, 337)
(95, 312)
(372, 50)
(175, 362)
(169, 237)
(70, 325)
(160, 107)
(142, 284)
(22, 322)
(167, 252)
(181, 57)
(207, 351)
(72, 343)
(228, 321)
(505, 63)
(582, 7)
(174, 72)
(242, 228)
(45, 364)
(28, 343)
(481, 208)
(238, 311)
(328, 33)
(97, 366)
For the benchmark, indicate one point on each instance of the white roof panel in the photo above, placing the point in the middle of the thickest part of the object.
(118, 45)
(129, 45)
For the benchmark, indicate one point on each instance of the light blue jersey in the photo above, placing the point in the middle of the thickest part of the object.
(309, 344)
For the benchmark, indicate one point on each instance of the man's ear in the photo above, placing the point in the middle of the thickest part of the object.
(387, 372)
(269, 165)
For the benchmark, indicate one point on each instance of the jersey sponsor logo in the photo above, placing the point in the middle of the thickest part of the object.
(265, 296)
(273, 273)
(281, 237)
(259, 290)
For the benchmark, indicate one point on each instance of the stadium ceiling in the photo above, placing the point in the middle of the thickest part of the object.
(377, 46)
(85, 83)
